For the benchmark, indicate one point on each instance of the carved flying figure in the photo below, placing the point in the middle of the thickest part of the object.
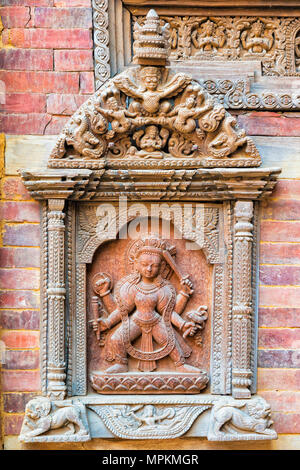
(186, 113)
(208, 38)
(149, 94)
(145, 304)
(259, 39)
(117, 115)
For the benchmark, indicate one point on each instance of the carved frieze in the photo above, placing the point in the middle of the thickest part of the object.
(274, 41)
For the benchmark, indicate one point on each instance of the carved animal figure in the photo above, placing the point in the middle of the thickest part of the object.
(254, 419)
(40, 418)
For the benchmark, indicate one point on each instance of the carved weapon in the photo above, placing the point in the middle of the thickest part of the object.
(95, 310)
(173, 265)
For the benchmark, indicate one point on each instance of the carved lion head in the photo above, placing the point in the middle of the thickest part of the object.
(38, 407)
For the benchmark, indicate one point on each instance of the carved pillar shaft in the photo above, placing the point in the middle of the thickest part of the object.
(242, 300)
(56, 300)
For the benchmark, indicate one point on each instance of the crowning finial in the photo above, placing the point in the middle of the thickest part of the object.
(151, 41)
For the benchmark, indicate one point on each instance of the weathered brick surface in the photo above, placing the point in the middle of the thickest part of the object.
(19, 299)
(255, 124)
(23, 320)
(48, 38)
(13, 188)
(64, 104)
(282, 209)
(280, 253)
(16, 211)
(15, 16)
(22, 234)
(24, 103)
(20, 257)
(13, 424)
(21, 359)
(16, 402)
(279, 317)
(278, 379)
(66, 18)
(20, 380)
(283, 401)
(20, 339)
(287, 189)
(287, 338)
(26, 59)
(286, 423)
(279, 358)
(73, 60)
(279, 296)
(24, 123)
(279, 275)
(279, 231)
(40, 82)
(55, 125)
(86, 80)
(19, 279)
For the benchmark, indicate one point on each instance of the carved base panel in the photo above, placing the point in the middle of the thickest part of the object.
(218, 418)
(149, 383)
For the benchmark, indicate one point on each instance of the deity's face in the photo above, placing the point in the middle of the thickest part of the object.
(208, 28)
(151, 132)
(148, 265)
(257, 29)
(151, 79)
(112, 103)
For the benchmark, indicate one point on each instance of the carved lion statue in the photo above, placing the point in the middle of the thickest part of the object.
(41, 418)
(230, 417)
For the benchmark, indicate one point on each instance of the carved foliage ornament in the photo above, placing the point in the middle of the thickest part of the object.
(149, 113)
(272, 40)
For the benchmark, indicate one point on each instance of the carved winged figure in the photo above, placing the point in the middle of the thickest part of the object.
(208, 38)
(146, 304)
(186, 113)
(117, 115)
(149, 94)
(259, 39)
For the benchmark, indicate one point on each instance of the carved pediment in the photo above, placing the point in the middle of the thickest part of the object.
(148, 116)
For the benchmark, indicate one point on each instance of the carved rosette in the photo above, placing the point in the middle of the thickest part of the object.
(56, 299)
(242, 300)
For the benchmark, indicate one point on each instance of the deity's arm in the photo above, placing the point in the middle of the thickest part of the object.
(177, 320)
(109, 302)
(181, 301)
(114, 318)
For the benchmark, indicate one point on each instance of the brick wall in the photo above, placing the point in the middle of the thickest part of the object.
(46, 64)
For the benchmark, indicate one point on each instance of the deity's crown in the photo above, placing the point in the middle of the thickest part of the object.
(154, 245)
(151, 45)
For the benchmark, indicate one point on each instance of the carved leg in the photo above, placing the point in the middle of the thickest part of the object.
(120, 353)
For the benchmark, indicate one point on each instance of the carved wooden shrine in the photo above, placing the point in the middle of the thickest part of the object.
(151, 336)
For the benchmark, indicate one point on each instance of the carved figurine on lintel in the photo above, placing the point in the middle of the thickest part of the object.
(145, 304)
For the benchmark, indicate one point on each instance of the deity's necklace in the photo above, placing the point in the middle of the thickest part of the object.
(147, 290)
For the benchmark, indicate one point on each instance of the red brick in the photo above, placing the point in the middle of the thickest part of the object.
(40, 82)
(64, 18)
(16, 402)
(19, 279)
(286, 423)
(19, 299)
(15, 16)
(287, 189)
(86, 82)
(73, 60)
(283, 401)
(56, 124)
(20, 320)
(72, 3)
(26, 59)
(20, 257)
(20, 339)
(20, 381)
(21, 235)
(280, 253)
(280, 231)
(279, 358)
(13, 188)
(274, 338)
(64, 104)
(21, 359)
(48, 38)
(20, 211)
(31, 3)
(279, 296)
(277, 317)
(24, 123)
(270, 126)
(279, 275)
(282, 209)
(24, 103)
(278, 379)
(13, 424)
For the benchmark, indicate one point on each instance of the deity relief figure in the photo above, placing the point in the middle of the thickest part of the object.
(117, 115)
(149, 94)
(208, 38)
(147, 306)
(151, 141)
(258, 39)
(186, 113)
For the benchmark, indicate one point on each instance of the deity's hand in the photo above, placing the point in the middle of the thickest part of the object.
(189, 328)
(102, 286)
(100, 324)
(187, 286)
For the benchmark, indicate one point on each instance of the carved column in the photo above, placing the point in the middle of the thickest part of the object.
(242, 300)
(56, 300)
